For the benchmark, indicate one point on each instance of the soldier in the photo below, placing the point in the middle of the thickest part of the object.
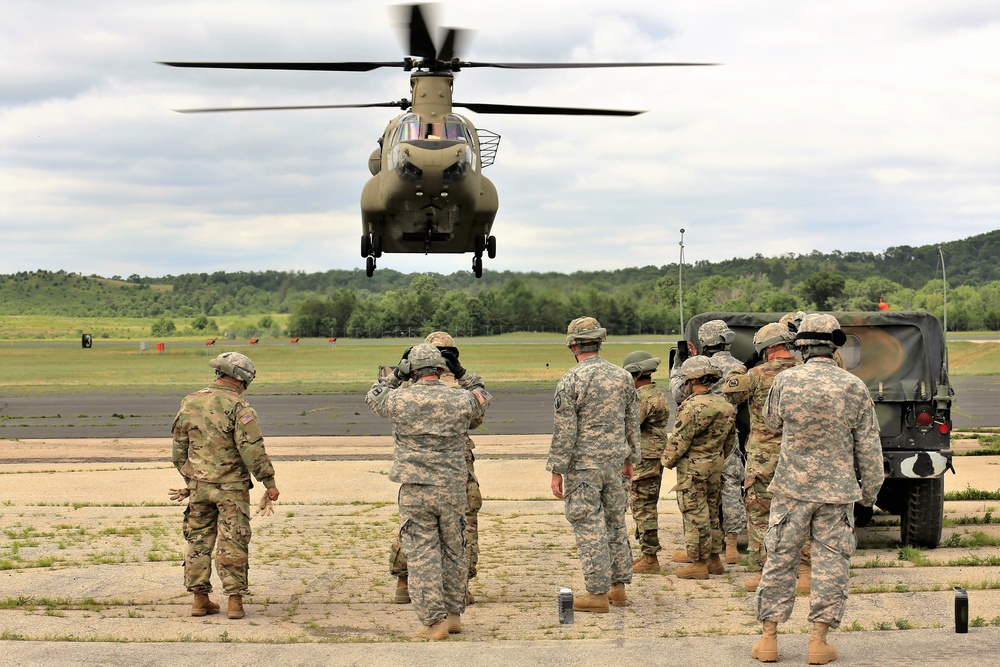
(430, 421)
(830, 439)
(595, 440)
(716, 338)
(217, 444)
(772, 343)
(443, 341)
(644, 494)
(704, 435)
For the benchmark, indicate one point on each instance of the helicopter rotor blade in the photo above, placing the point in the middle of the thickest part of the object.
(543, 111)
(403, 104)
(579, 65)
(420, 41)
(454, 40)
(360, 66)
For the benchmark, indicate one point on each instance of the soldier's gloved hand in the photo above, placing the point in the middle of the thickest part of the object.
(450, 355)
(402, 370)
(265, 507)
(179, 494)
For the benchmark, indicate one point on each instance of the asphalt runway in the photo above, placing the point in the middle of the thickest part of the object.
(135, 415)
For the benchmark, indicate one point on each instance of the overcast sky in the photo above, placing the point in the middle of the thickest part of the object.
(850, 125)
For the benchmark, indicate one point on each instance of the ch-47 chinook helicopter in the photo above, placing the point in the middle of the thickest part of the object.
(427, 193)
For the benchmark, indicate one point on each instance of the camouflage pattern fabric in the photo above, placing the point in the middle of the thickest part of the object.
(644, 494)
(704, 434)
(595, 505)
(763, 444)
(829, 430)
(595, 430)
(430, 423)
(217, 443)
(432, 534)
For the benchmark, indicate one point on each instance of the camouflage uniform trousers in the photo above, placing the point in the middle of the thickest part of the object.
(734, 516)
(644, 494)
(217, 516)
(595, 505)
(473, 503)
(698, 502)
(432, 532)
(792, 522)
(758, 504)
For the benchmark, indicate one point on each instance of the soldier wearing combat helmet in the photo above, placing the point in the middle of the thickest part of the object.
(830, 458)
(595, 440)
(217, 446)
(644, 494)
(430, 421)
(445, 344)
(704, 435)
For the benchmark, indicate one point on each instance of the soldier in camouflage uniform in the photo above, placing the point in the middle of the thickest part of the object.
(595, 441)
(830, 439)
(772, 343)
(644, 494)
(443, 341)
(217, 445)
(430, 421)
(704, 435)
(715, 338)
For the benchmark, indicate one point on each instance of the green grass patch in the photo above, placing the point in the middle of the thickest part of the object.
(968, 493)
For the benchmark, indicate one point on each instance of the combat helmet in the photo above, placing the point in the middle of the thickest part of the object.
(640, 363)
(440, 339)
(715, 333)
(235, 365)
(792, 320)
(424, 356)
(587, 333)
(820, 329)
(774, 333)
(698, 367)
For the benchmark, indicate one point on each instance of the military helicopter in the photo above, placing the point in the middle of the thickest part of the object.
(427, 193)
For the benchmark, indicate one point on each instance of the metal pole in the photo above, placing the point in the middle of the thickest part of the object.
(680, 281)
(944, 282)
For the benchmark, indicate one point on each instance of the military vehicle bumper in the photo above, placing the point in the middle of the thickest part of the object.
(917, 464)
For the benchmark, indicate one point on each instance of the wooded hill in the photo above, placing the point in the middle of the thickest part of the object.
(632, 300)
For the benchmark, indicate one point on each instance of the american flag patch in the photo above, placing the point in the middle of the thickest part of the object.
(479, 396)
(247, 418)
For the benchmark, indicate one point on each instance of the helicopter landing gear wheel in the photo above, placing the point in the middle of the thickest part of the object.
(477, 266)
(369, 266)
(480, 245)
(366, 245)
(491, 246)
(377, 245)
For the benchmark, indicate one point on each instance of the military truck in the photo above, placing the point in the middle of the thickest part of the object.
(902, 358)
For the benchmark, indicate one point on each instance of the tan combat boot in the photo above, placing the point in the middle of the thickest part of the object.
(236, 607)
(454, 623)
(616, 595)
(595, 602)
(696, 570)
(732, 553)
(434, 632)
(680, 557)
(766, 649)
(715, 565)
(402, 595)
(469, 597)
(202, 605)
(804, 582)
(820, 652)
(751, 584)
(646, 563)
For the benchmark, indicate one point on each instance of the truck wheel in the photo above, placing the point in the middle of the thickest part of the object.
(920, 525)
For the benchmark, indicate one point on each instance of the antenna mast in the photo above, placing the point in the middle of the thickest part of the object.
(680, 281)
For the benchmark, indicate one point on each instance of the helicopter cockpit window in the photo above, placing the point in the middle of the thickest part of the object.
(412, 129)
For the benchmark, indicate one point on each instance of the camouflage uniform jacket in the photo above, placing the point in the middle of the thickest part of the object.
(448, 380)
(828, 425)
(752, 387)
(430, 424)
(654, 420)
(217, 439)
(704, 435)
(724, 361)
(596, 418)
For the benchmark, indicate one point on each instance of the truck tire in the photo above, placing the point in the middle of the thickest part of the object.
(920, 525)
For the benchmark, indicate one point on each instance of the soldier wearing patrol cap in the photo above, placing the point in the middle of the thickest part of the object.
(715, 338)
(644, 493)
(429, 425)
(217, 445)
(445, 344)
(595, 441)
(831, 457)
